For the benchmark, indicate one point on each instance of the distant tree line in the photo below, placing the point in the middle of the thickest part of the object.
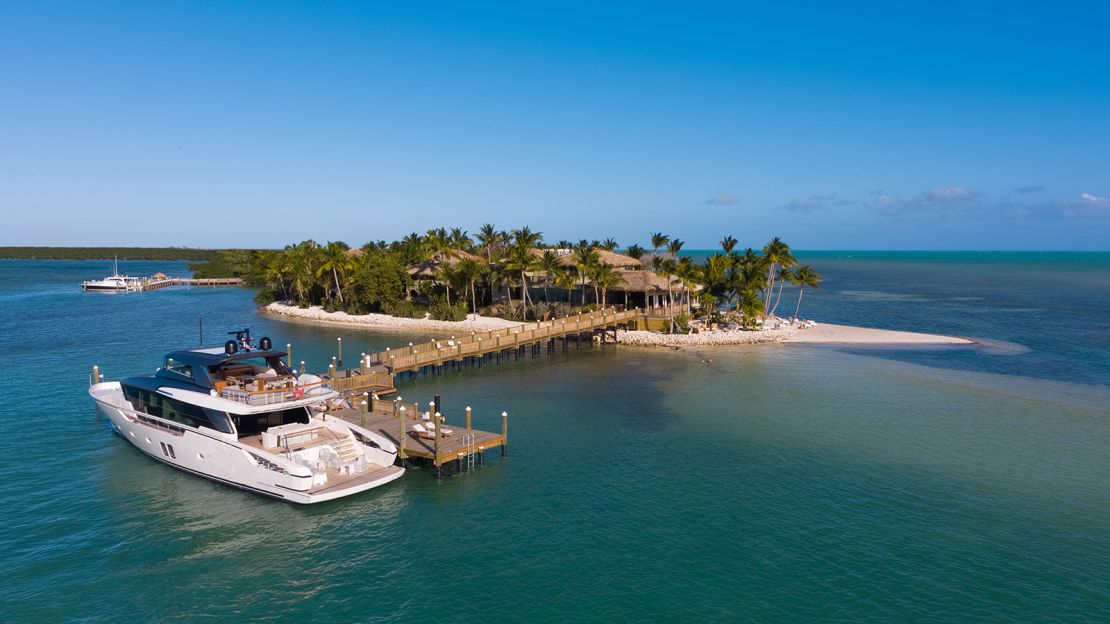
(107, 253)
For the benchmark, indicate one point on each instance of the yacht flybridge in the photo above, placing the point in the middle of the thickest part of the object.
(240, 416)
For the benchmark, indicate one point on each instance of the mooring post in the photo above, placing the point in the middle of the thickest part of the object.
(289, 354)
(401, 436)
(95, 375)
(362, 364)
(302, 367)
(434, 415)
(331, 369)
(468, 419)
(364, 407)
(339, 340)
(504, 434)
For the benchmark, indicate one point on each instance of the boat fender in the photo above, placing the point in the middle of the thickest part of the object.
(231, 347)
(265, 343)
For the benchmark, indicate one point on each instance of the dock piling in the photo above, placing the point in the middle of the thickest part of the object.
(401, 436)
(468, 419)
(504, 434)
(339, 340)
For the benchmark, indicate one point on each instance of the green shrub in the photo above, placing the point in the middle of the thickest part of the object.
(403, 309)
(454, 312)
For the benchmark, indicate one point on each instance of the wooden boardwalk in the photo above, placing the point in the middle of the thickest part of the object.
(479, 344)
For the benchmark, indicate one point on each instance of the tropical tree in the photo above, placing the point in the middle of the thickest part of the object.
(521, 260)
(334, 258)
(609, 244)
(469, 270)
(550, 265)
(635, 251)
(488, 237)
(585, 258)
(605, 277)
(777, 255)
(566, 279)
(728, 243)
(658, 239)
(804, 276)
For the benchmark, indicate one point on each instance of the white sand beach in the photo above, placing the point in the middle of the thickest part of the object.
(317, 314)
(846, 334)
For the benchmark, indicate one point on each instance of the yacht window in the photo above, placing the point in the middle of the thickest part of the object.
(181, 369)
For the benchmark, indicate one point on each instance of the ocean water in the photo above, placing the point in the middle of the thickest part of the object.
(758, 483)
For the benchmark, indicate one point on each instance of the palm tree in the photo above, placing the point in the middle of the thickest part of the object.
(521, 259)
(437, 242)
(488, 236)
(335, 259)
(550, 265)
(470, 270)
(778, 255)
(728, 243)
(585, 257)
(804, 276)
(566, 279)
(658, 239)
(609, 244)
(449, 275)
(606, 277)
(669, 269)
(635, 251)
(460, 239)
(687, 274)
(713, 276)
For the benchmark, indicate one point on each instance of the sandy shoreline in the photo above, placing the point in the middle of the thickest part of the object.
(819, 334)
(317, 314)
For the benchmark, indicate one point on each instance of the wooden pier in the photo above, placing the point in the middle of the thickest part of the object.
(422, 433)
(507, 341)
(157, 282)
(418, 435)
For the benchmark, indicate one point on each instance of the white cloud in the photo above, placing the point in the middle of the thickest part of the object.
(722, 199)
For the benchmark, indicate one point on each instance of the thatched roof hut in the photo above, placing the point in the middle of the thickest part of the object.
(611, 258)
(429, 269)
(643, 281)
(355, 252)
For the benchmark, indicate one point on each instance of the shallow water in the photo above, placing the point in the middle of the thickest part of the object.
(768, 482)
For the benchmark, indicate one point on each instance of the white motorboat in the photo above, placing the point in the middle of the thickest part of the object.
(114, 282)
(243, 417)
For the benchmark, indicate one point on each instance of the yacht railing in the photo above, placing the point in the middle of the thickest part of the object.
(272, 396)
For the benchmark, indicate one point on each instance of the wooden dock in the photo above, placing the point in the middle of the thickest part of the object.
(506, 341)
(452, 444)
(459, 445)
(155, 283)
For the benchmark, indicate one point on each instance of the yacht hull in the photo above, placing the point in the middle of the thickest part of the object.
(221, 458)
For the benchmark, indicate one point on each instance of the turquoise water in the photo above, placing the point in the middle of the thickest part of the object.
(763, 483)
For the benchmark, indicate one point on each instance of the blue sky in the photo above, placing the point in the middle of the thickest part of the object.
(861, 126)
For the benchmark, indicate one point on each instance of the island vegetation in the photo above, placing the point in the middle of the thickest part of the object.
(107, 253)
(448, 274)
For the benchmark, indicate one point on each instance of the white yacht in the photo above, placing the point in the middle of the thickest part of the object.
(242, 417)
(113, 283)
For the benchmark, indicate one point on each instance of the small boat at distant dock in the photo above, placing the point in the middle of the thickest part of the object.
(113, 283)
